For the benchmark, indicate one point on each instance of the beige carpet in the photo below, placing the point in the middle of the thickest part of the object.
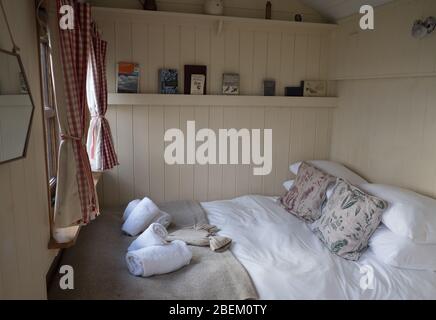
(100, 271)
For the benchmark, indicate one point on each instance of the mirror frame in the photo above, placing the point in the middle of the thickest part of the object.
(23, 71)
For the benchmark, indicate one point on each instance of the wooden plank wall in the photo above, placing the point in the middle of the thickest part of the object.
(24, 220)
(384, 127)
(256, 53)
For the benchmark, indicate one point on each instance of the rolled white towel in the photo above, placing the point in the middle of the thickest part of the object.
(155, 235)
(164, 219)
(130, 207)
(141, 217)
(155, 260)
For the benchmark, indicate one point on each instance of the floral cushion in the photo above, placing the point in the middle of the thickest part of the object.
(350, 218)
(308, 193)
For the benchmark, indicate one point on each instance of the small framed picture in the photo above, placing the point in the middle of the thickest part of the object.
(197, 84)
(168, 81)
(315, 88)
(195, 75)
(269, 88)
(128, 77)
(231, 84)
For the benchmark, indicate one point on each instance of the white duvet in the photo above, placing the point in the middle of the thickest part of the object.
(287, 261)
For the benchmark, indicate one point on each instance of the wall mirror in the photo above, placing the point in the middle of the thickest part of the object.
(16, 107)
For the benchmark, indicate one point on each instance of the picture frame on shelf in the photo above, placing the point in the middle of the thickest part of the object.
(127, 77)
(168, 81)
(195, 79)
(315, 88)
(197, 84)
(231, 84)
(269, 88)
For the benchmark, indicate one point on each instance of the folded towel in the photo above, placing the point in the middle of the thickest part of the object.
(207, 227)
(164, 219)
(141, 217)
(220, 244)
(202, 235)
(155, 260)
(154, 236)
(132, 205)
(191, 236)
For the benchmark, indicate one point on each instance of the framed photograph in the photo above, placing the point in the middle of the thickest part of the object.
(269, 88)
(231, 84)
(195, 75)
(315, 88)
(128, 77)
(168, 81)
(197, 84)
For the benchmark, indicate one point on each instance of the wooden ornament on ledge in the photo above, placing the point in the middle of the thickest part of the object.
(268, 10)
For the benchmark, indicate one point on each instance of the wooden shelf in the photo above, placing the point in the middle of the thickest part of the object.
(220, 100)
(164, 16)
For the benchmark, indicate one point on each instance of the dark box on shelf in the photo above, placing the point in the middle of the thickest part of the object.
(295, 91)
(269, 88)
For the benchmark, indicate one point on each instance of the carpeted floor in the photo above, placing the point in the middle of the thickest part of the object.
(100, 270)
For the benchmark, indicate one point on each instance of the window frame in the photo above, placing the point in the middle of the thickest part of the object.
(51, 131)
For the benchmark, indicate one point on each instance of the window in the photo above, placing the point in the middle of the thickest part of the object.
(48, 96)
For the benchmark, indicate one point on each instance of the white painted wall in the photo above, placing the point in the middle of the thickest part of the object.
(256, 51)
(24, 225)
(385, 125)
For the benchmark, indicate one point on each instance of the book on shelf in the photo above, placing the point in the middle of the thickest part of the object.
(195, 75)
(168, 81)
(269, 88)
(197, 84)
(231, 84)
(128, 77)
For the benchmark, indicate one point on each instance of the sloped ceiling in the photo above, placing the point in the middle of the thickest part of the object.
(338, 9)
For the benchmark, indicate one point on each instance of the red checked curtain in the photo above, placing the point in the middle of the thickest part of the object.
(74, 173)
(100, 145)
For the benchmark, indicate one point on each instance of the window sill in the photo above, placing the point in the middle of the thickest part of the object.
(64, 238)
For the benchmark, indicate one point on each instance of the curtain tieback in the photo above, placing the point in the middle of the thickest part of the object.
(66, 137)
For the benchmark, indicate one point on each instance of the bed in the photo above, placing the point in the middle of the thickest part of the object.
(285, 260)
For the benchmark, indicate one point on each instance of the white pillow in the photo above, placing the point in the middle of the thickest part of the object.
(402, 252)
(288, 184)
(409, 214)
(333, 168)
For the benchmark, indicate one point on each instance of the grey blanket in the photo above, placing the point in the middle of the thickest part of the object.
(100, 270)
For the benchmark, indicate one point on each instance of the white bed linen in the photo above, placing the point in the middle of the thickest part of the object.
(287, 261)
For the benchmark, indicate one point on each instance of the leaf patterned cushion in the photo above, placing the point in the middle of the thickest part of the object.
(350, 218)
(308, 193)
